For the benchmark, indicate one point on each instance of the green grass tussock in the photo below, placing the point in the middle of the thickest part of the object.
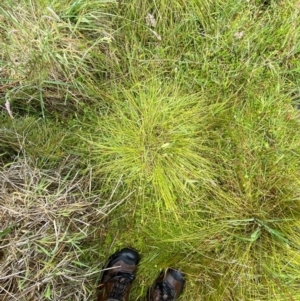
(156, 140)
(170, 127)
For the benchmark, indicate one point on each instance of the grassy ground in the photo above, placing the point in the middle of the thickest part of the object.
(168, 126)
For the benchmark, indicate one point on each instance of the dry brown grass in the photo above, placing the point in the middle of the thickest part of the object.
(46, 222)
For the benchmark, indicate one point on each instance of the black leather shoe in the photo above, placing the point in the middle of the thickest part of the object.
(118, 275)
(167, 287)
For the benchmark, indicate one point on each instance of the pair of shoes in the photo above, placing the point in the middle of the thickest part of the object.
(119, 273)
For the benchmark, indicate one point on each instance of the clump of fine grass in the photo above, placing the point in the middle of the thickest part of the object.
(155, 139)
(50, 52)
(47, 231)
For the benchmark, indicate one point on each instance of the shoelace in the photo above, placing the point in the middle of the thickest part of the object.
(122, 280)
(166, 291)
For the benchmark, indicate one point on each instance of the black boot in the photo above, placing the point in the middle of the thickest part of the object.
(118, 275)
(167, 287)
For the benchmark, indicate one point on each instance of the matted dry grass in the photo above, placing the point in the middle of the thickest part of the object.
(46, 222)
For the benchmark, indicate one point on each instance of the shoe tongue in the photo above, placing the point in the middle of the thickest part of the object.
(166, 292)
(120, 285)
(124, 277)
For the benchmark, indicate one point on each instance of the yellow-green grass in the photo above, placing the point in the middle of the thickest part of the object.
(238, 237)
(155, 141)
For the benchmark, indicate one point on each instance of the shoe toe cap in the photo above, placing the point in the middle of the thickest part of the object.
(176, 274)
(129, 256)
